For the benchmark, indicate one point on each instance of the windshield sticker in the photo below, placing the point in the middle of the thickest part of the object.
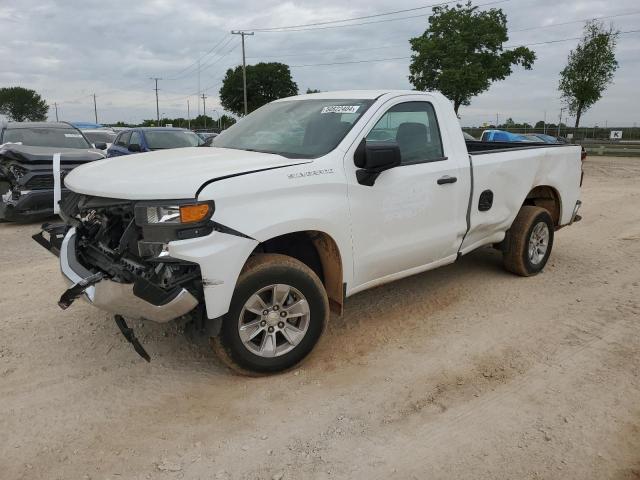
(340, 109)
(73, 135)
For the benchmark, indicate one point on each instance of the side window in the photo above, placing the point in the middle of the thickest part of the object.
(135, 138)
(123, 139)
(413, 125)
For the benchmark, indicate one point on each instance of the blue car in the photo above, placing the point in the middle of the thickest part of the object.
(502, 136)
(147, 139)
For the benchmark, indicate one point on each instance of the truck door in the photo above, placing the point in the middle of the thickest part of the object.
(414, 215)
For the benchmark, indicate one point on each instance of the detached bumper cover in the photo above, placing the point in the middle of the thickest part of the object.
(119, 298)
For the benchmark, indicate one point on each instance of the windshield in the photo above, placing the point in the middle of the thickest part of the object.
(295, 128)
(97, 137)
(161, 139)
(46, 137)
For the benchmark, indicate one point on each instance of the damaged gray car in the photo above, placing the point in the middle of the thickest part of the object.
(26, 166)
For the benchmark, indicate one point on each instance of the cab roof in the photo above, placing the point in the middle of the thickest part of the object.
(348, 94)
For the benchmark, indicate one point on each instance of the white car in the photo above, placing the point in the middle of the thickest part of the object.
(303, 203)
(100, 137)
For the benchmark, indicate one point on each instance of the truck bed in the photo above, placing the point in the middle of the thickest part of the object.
(507, 171)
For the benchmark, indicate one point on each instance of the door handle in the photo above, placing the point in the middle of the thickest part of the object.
(447, 179)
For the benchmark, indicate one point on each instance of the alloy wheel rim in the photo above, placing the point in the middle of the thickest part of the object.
(538, 243)
(274, 320)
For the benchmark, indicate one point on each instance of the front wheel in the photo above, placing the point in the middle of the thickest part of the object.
(529, 241)
(277, 314)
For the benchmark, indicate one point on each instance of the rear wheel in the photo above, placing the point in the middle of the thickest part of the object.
(529, 241)
(277, 314)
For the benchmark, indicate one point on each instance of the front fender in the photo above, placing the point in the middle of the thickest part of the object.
(221, 257)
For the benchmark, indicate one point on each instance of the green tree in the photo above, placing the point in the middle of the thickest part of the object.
(312, 90)
(20, 104)
(265, 82)
(226, 121)
(461, 53)
(590, 68)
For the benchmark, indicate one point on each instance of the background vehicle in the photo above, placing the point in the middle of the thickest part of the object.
(502, 136)
(306, 201)
(147, 139)
(542, 137)
(468, 136)
(26, 165)
(86, 125)
(101, 138)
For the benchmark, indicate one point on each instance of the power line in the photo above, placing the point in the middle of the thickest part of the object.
(349, 62)
(561, 40)
(201, 57)
(269, 29)
(320, 52)
(304, 28)
(409, 56)
(199, 67)
(575, 21)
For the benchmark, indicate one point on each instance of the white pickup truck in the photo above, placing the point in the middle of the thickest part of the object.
(303, 203)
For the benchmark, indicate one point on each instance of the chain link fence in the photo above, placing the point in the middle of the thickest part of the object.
(595, 140)
(580, 134)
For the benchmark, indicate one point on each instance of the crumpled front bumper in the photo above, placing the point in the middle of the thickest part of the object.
(119, 298)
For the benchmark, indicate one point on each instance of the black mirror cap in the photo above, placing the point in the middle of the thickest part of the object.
(382, 155)
(134, 147)
(376, 155)
(100, 145)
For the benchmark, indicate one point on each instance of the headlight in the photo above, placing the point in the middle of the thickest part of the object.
(173, 214)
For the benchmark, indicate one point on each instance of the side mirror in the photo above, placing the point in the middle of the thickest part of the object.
(135, 147)
(373, 158)
(100, 145)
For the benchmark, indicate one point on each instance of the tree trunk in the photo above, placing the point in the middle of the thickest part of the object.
(456, 106)
(578, 114)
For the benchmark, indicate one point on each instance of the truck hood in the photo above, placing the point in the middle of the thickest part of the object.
(168, 174)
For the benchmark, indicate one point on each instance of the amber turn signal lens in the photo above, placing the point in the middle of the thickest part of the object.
(193, 213)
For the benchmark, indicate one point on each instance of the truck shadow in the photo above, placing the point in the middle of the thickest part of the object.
(388, 314)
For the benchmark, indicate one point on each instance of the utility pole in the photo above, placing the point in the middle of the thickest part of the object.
(95, 107)
(544, 123)
(560, 120)
(496, 120)
(188, 115)
(56, 106)
(244, 66)
(157, 107)
(204, 109)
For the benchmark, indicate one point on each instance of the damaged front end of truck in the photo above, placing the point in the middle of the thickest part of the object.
(113, 255)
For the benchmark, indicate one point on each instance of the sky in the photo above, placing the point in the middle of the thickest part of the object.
(69, 50)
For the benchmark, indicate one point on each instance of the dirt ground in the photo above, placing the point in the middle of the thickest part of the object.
(463, 372)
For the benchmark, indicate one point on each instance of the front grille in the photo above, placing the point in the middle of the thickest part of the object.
(40, 182)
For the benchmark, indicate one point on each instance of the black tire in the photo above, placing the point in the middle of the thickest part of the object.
(515, 252)
(263, 270)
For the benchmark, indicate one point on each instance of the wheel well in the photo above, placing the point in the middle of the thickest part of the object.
(319, 252)
(548, 198)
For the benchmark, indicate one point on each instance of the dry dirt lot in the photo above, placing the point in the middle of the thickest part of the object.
(463, 372)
